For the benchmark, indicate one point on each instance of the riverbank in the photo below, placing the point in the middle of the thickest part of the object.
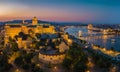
(106, 41)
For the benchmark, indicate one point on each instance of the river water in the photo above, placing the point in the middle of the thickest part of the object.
(106, 41)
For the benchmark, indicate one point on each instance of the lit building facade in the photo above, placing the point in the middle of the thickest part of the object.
(11, 30)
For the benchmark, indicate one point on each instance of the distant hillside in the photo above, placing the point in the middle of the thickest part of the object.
(1, 23)
(72, 24)
(20, 21)
(40, 21)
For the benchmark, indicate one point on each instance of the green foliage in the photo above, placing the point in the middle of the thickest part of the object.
(59, 35)
(57, 42)
(23, 60)
(37, 69)
(42, 42)
(75, 59)
(38, 35)
(22, 35)
(16, 36)
(30, 31)
(28, 57)
(14, 45)
(22, 52)
(80, 67)
(11, 40)
(100, 60)
(4, 65)
(66, 63)
(26, 66)
(37, 44)
(19, 61)
(83, 41)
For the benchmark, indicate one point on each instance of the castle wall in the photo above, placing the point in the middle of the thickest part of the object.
(24, 29)
(11, 32)
(54, 59)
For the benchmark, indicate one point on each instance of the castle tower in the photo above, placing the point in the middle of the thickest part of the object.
(34, 21)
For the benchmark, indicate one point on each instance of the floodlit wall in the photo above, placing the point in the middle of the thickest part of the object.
(54, 59)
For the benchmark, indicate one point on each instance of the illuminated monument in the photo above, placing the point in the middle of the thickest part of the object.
(11, 30)
(34, 21)
(52, 44)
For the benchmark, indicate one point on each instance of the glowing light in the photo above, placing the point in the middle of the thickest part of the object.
(108, 52)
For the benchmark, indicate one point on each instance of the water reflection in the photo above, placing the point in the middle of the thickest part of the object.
(106, 41)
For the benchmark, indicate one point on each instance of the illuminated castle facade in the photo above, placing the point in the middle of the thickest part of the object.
(11, 30)
(43, 34)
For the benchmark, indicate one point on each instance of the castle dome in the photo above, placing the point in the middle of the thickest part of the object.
(35, 18)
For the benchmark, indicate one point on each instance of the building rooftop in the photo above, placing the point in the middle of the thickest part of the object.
(15, 26)
(31, 26)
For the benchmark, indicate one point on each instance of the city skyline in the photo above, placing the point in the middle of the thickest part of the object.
(86, 11)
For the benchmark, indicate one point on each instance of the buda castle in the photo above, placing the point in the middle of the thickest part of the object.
(50, 44)
(11, 30)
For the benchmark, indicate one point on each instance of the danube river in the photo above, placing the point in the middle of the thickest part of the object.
(106, 41)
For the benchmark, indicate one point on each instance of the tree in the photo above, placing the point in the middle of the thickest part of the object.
(80, 67)
(74, 58)
(10, 39)
(37, 69)
(26, 66)
(21, 34)
(101, 61)
(24, 37)
(67, 63)
(38, 35)
(31, 32)
(4, 65)
(14, 46)
(16, 36)
(28, 57)
(19, 61)
(37, 44)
